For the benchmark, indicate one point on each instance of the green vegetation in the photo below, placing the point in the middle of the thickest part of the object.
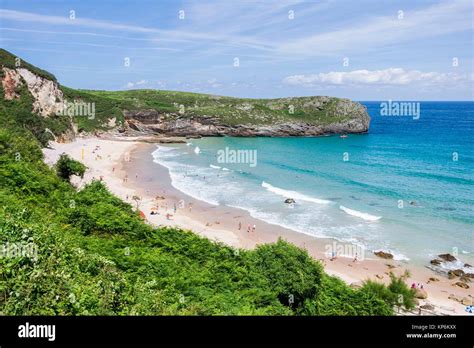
(89, 253)
(66, 167)
(230, 111)
(10, 61)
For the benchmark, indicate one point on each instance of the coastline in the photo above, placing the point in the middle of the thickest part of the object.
(116, 159)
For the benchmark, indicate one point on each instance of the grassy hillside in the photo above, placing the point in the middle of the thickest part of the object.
(230, 111)
(97, 257)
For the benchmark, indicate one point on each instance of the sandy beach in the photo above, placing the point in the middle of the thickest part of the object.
(126, 167)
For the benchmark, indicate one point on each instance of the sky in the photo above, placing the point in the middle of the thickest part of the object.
(363, 50)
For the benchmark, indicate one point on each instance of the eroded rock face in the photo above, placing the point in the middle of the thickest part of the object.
(10, 82)
(48, 99)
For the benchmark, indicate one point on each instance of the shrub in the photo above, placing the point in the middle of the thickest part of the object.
(66, 167)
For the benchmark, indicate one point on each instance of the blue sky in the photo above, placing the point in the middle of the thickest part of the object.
(364, 50)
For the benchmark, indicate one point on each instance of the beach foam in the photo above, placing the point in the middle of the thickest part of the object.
(359, 214)
(293, 194)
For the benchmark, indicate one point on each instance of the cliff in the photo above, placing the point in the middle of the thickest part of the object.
(170, 113)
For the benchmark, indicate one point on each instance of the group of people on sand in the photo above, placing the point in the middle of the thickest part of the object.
(334, 257)
(417, 286)
(154, 209)
(249, 228)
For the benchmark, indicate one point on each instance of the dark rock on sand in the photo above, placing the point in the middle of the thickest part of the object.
(436, 262)
(421, 294)
(428, 307)
(290, 201)
(462, 285)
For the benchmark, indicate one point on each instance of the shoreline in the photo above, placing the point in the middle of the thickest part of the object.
(127, 168)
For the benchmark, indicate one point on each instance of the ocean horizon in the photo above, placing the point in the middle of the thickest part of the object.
(405, 187)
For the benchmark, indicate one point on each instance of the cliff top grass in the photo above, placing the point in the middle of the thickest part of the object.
(9, 60)
(230, 111)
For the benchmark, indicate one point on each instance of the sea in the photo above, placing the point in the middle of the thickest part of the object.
(405, 187)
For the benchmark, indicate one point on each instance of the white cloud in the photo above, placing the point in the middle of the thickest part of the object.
(136, 83)
(440, 19)
(390, 76)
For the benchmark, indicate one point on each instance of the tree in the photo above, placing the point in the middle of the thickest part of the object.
(66, 166)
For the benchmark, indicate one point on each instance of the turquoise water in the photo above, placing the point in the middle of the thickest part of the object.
(406, 187)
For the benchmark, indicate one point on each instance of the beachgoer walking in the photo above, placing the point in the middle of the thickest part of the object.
(240, 225)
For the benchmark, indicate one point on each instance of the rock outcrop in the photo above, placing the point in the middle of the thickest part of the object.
(175, 124)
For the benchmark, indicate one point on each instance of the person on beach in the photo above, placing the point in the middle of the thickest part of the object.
(240, 225)
(174, 208)
(355, 258)
(248, 229)
(253, 228)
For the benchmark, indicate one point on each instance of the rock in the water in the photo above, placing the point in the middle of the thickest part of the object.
(384, 255)
(447, 257)
(421, 294)
(462, 285)
(290, 201)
